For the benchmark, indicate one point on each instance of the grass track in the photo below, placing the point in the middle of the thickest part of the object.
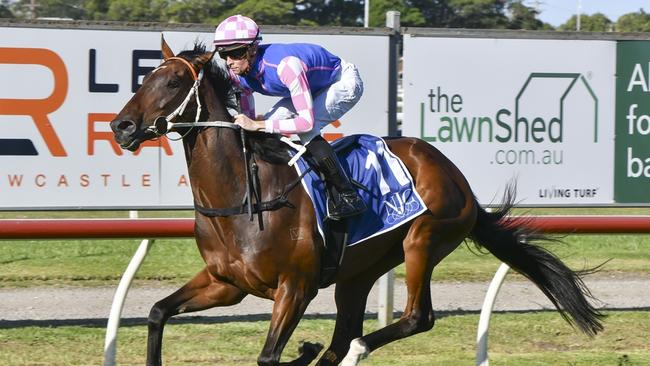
(541, 338)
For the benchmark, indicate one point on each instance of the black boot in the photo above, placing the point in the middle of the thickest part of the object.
(345, 202)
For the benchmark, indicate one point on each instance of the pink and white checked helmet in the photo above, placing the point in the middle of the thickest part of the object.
(236, 31)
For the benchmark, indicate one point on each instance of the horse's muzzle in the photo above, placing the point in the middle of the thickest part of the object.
(125, 132)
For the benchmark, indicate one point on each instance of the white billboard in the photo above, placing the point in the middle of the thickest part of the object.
(61, 88)
(539, 111)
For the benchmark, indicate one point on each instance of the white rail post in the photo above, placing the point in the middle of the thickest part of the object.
(385, 301)
(387, 281)
(486, 312)
(110, 342)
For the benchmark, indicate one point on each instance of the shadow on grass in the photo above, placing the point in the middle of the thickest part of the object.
(130, 322)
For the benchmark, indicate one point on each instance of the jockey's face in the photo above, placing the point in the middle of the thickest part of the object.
(238, 63)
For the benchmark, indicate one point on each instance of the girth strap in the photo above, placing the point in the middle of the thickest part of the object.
(257, 207)
(275, 204)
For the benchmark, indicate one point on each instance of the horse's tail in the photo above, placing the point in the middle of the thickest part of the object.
(514, 243)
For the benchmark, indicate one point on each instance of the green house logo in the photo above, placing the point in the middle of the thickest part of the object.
(566, 90)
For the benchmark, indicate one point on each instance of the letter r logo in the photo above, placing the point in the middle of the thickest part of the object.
(38, 109)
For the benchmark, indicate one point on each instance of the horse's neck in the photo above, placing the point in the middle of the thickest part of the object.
(215, 159)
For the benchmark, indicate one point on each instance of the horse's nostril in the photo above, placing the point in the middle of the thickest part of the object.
(123, 126)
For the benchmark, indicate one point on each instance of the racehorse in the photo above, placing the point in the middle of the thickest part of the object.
(281, 261)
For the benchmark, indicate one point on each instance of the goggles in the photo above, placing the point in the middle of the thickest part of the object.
(235, 54)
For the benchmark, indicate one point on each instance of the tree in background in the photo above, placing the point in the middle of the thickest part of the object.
(525, 17)
(409, 16)
(190, 11)
(71, 9)
(480, 14)
(5, 9)
(137, 10)
(597, 22)
(96, 9)
(267, 11)
(634, 22)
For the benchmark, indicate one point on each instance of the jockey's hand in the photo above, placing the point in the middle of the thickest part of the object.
(248, 124)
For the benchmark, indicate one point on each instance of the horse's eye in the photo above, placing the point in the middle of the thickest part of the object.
(173, 83)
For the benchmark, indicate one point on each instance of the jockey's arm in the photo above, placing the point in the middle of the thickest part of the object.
(292, 73)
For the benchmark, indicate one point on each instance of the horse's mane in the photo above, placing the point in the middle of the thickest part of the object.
(267, 146)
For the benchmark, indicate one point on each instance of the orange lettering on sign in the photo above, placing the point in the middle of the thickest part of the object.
(94, 135)
(38, 109)
(183, 182)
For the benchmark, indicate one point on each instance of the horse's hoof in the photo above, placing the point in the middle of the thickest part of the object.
(310, 349)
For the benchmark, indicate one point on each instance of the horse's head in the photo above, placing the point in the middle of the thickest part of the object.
(158, 100)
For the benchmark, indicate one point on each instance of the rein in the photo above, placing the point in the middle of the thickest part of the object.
(164, 125)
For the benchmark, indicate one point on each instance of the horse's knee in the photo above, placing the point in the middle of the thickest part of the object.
(157, 316)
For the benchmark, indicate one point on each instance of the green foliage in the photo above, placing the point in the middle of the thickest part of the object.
(524, 17)
(634, 22)
(409, 16)
(5, 12)
(97, 9)
(480, 14)
(137, 10)
(597, 22)
(70, 9)
(189, 11)
(267, 11)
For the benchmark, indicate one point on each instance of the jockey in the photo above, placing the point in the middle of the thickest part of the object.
(315, 87)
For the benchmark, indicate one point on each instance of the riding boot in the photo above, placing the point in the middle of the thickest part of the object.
(345, 201)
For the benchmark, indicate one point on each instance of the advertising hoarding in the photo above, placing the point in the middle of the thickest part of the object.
(61, 88)
(632, 166)
(536, 110)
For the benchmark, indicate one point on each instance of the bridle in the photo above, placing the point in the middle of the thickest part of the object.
(163, 124)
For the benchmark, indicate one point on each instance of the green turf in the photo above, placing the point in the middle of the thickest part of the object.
(515, 339)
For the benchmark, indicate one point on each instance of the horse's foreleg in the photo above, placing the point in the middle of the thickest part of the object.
(200, 293)
(290, 304)
(351, 300)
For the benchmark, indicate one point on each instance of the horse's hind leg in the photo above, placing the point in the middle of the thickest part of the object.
(423, 249)
(200, 293)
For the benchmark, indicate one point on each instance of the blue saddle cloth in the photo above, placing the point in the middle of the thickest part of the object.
(391, 197)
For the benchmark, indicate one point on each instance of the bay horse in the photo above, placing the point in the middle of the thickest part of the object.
(282, 261)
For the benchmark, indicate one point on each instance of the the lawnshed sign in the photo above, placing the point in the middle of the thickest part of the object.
(61, 88)
(542, 111)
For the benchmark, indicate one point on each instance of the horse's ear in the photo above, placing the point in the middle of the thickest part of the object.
(166, 51)
(204, 58)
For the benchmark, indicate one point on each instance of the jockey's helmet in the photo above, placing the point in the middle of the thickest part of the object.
(235, 32)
